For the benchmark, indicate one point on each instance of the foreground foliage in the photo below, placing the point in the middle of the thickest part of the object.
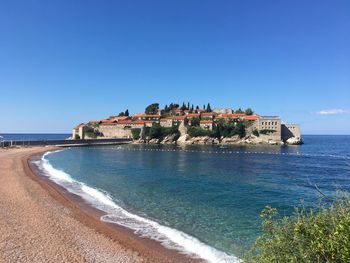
(307, 236)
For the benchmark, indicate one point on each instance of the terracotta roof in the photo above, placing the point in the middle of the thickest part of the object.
(138, 115)
(207, 113)
(193, 115)
(131, 122)
(108, 121)
(178, 117)
(151, 116)
(251, 117)
(94, 122)
(119, 117)
(80, 125)
(206, 121)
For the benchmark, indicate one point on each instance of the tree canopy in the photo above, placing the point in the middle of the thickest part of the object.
(152, 108)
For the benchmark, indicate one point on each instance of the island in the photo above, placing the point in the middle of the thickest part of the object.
(186, 124)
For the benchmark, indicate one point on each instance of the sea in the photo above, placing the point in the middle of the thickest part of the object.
(33, 136)
(204, 200)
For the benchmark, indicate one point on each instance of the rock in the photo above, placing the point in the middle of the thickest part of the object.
(231, 140)
(183, 139)
(154, 141)
(182, 129)
(294, 141)
(168, 139)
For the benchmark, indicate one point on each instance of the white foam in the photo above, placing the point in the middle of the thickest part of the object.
(168, 237)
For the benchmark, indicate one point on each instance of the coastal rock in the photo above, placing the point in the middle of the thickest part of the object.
(294, 141)
(154, 141)
(168, 139)
(183, 139)
(201, 140)
(231, 140)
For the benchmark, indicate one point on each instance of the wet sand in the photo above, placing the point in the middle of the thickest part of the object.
(41, 222)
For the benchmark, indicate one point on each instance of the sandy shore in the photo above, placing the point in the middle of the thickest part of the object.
(41, 222)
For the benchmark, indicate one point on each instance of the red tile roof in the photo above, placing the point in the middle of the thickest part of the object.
(178, 117)
(80, 125)
(94, 122)
(206, 122)
(207, 113)
(193, 115)
(251, 117)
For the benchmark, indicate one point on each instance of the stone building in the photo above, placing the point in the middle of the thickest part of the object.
(289, 131)
(207, 124)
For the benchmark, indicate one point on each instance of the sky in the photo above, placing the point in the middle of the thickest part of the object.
(67, 62)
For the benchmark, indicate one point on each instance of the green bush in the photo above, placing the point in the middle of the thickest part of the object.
(230, 128)
(307, 236)
(255, 132)
(91, 134)
(159, 132)
(198, 131)
(267, 131)
(135, 133)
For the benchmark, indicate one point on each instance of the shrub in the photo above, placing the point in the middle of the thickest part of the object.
(198, 131)
(159, 132)
(135, 133)
(267, 131)
(255, 132)
(307, 236)
(91, 134)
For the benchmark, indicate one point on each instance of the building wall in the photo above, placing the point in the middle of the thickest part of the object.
(290, 130)
(167, 123)
(116, 131)
(270, 123)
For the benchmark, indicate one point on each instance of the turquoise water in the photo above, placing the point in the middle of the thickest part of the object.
(210, 193)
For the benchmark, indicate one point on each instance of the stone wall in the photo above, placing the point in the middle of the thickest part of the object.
(115, 131)
(290, 130)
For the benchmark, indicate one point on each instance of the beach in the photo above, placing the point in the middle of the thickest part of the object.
(41, 222)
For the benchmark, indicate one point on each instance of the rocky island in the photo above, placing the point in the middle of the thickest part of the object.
(175, 124)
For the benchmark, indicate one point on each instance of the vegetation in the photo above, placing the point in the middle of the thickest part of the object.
(249, 111)
(91, 134)
(135, 133)
(198, 131)
(208, 109)
(307, 236)
(159, 132)
(124, 113)
(230, 128)
(152, 108)
(256, 132)
(195, 121)
(267, 131)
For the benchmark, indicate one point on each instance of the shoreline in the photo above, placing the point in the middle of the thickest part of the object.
(135, 248)
(151, 250)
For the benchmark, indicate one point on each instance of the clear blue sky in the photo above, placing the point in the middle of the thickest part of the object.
(66, 62)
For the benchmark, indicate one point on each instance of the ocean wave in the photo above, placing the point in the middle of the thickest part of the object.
(168, 237)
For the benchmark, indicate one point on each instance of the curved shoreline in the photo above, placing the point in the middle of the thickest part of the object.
(121, 240)
(149, 250)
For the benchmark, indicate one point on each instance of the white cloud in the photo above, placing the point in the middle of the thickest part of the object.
(333, 112)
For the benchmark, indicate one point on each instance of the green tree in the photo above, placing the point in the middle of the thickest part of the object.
(239, 111)
(135, 133)
(126, 113)
(249, 111)
(195, 121)
(208, 108)
(152, 108)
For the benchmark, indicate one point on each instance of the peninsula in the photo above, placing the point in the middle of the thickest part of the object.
(175, 124)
